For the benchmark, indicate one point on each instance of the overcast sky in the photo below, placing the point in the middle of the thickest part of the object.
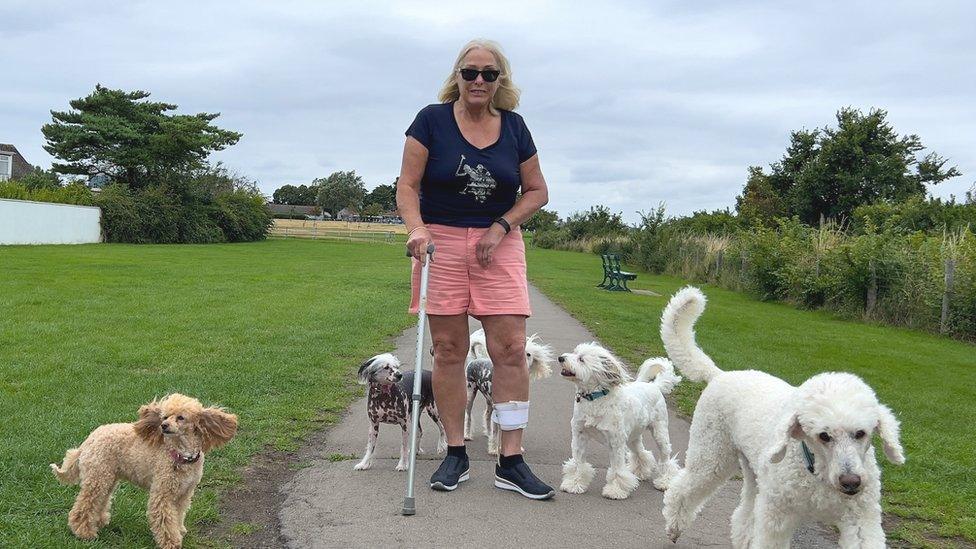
(630, 103)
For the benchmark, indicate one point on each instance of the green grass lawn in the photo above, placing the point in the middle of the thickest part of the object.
(272, 330)
(929, 381)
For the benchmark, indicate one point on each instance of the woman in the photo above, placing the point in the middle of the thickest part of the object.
(463, 163)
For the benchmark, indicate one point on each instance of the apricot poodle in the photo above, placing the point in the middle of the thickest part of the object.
(163, 452)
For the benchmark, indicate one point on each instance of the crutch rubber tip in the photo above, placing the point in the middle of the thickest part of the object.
(409, 507)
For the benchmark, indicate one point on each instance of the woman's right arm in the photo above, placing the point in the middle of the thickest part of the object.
(408, 197)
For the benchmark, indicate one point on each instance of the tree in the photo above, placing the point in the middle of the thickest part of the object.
(132, 141)
(339, 190)
(39, 178)
(384, 195)
(829, 172)
(759, 202)
(598, 221)
(372, 210)
(302, 195)
(542, 220)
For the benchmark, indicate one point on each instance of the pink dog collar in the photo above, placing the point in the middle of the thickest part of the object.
(180, 459)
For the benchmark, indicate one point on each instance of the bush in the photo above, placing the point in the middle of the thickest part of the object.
(916, 214)
(597, 222)
(243, 216)
(207, 206)
(74, 193)
(120, 219)
(40, 179)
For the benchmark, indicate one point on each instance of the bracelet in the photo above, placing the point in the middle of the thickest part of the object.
(415, 228)
(501, 221)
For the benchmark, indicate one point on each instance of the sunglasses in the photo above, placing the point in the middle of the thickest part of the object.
(489, 75)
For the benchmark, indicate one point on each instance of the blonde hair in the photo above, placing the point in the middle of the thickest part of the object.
(506, 95)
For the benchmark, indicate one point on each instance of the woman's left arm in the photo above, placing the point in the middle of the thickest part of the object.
(535, 195)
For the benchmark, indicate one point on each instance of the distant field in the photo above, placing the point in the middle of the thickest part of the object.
(301, 228)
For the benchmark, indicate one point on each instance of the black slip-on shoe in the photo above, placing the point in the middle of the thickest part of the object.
(519, 478)
(453, 471)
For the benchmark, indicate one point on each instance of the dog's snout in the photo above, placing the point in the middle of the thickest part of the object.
(562, 359)
(397, 376)
(850, 483)
(165, 426)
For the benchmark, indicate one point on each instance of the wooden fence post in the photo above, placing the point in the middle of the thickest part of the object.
(872, 289)
(950, 269)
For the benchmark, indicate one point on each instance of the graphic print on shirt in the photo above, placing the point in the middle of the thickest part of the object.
(480, 182)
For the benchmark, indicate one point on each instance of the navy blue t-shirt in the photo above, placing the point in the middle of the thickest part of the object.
(464, 186)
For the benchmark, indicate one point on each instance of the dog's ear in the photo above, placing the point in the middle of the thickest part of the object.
(147, 426)
(363, 375)
(888, 430)
(217, 427)
(614, 371)
(787, 429)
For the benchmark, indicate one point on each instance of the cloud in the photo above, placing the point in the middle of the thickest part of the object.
(629, 103)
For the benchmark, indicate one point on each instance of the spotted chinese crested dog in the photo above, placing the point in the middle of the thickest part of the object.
(538, 357)
(389, 401)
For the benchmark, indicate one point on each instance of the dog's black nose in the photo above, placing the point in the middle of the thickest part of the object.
(850, 483)
(165, 426)
(562, 359)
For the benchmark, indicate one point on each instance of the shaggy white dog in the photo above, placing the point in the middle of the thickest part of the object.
(615, 410)
(805, 453)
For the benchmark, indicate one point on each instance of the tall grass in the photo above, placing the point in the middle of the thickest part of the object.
(876, 274)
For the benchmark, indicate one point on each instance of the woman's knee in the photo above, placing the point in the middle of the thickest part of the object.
(508, 351)
(449, 351)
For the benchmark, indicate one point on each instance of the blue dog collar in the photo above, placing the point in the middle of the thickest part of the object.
(592, 396)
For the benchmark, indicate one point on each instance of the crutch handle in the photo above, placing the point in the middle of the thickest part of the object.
(430, 250)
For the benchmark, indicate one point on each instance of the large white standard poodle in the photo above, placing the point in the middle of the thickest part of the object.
(612, 409)
(805, 453)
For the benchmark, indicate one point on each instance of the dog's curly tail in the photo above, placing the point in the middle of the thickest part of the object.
(659, 371)
(678, 335)
(68, 473)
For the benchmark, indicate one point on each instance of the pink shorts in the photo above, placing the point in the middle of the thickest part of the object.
(458, 284)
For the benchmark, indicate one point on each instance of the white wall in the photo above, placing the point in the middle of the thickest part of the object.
(25, 222)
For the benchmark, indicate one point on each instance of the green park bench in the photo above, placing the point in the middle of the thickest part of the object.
(614, 280)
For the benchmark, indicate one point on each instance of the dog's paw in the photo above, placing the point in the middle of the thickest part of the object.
(674, 523)
(673, 533)
(573, 485)
(401, 466)
(667, 473)
(467, 435)
(441, 448)
(85, 531)
(362, 466)
(613, 490)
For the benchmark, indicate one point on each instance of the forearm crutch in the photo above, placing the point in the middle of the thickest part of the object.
(409, 505)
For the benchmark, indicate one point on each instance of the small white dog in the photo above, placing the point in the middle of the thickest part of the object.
(615, 410)
(478, 371)
(804, 452)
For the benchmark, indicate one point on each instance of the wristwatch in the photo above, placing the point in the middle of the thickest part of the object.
(501, 221)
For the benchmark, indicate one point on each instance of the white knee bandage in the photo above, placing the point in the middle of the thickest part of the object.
(510, 415)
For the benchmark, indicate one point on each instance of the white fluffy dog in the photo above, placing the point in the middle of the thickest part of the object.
(615, 410)
(805, 453)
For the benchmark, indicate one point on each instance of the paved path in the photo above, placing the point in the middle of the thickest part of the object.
(327, 504)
